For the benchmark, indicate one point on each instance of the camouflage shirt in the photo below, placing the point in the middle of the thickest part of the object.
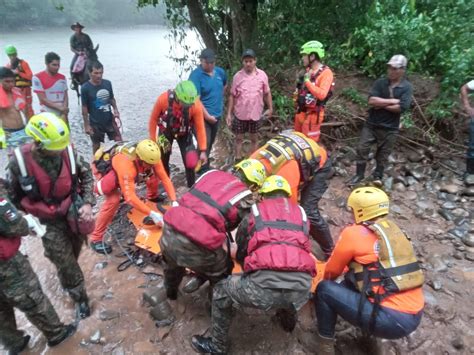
(52, 165)
(12, 224)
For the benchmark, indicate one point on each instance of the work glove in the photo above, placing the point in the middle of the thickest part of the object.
(35, 226)
(307, 77)
(156, 217)
(174, 204)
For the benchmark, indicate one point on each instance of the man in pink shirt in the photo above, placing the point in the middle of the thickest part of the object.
(249, 93)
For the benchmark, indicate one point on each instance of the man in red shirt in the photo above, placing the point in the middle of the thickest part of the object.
(51, 87)
(388, 305)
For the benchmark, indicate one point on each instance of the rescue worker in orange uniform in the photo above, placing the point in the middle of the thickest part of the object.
(176, 114)
(195, 232)
(130, 164)
(313, 89)
(23, 76)
(386, 304)
(305, 165)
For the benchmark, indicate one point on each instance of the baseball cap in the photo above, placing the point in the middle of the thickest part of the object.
(208, 55)
(398, 61)
(249, 53)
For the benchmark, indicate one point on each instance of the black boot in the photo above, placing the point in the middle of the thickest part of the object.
(70, 330)
(83, 309)
(18, 349)
(194, 284)
(204, 345)
(101, 247)
(359, 176)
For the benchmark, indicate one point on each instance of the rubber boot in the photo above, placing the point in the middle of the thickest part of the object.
(70, 330)
(325, 346)
(377, 176)
(204, 345)
(193, 284)
(359, 176)
(101, 247)
(83, 309)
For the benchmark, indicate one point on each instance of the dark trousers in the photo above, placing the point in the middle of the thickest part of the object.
(211, 133)
(333, 299)
(385, 140)
(182, 143)
(310, 197)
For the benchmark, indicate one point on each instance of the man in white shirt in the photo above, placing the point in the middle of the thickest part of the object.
(51, 87)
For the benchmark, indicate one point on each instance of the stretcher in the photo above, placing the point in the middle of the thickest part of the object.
(148, 238)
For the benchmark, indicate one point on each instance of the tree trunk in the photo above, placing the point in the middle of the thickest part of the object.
(244, 20)
(200, 22)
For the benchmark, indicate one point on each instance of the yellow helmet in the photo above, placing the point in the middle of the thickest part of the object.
(253, 170)
(367, 203)
(148, 151)
(49, 130)
(275, 183)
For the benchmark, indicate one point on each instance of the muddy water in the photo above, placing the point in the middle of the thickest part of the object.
(135, 60)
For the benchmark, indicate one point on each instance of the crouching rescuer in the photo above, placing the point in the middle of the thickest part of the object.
(118, 170)
(382, 292)
(195, 232)
(274, 249)
(52, 183)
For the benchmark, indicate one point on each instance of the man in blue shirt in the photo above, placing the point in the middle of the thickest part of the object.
(99, 108)
(210, 81)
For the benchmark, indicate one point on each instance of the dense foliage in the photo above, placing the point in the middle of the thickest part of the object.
(436, 36)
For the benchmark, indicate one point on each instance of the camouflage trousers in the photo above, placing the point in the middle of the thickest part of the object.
(180, 253)
(20, 288)
(63, 247)
(241, 291)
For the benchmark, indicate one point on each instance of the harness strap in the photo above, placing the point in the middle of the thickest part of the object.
(211, 202)
(21, 162)
(390, 272)
(279, 224)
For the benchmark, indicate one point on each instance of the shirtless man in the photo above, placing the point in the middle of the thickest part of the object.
(12, 105)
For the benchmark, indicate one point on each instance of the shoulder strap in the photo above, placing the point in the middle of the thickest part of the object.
(282, 225)
(21, 162)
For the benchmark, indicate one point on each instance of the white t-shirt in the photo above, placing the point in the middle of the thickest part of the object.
(54, 87)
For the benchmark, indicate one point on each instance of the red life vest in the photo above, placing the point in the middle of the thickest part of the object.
(306, 102)
(45, 198)
(8, 246)
(174, 122)
(278, 230)
(209, 209)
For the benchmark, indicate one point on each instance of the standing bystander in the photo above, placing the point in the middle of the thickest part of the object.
(210, 82)
(248, 94)
(97, 102)
(51, 87)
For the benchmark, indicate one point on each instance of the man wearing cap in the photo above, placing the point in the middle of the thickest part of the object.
(80, 42)
(23, 76)
(248, 95)
(210, 81)
(388, 99)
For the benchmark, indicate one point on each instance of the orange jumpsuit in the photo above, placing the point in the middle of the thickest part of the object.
(290, 171)
(196, 119)
(23, 82)
(358, 243)
(309, 123)
(127, 173)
